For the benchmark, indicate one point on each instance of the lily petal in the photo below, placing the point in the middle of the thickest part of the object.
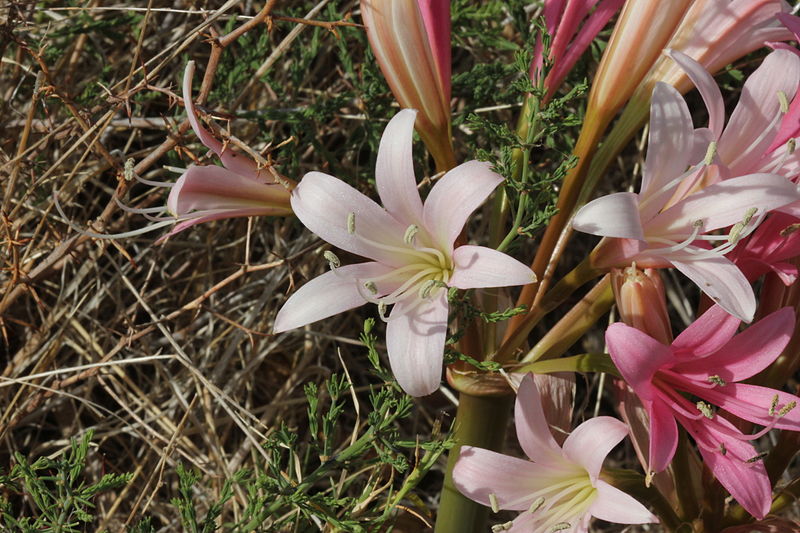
(454, 197)
(707, 334)
(480, 472)
(394, 170)
(326, 295)
(759, 110)
(613, 505)
(726, 203)
(745, 354)
(637, 356)
(232, 160)
(753, 403)
(415, 338)
(663, 435)
(707, 87)
(215, 188)
(746, 481)
(533, 432)
(670, 142)
(724, 283)
(590, 443)
(479, 267)
(324, 204)
(614, 215)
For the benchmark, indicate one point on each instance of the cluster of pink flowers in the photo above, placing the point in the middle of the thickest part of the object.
(719, 203)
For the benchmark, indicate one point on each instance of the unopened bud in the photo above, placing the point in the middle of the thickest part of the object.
(642, 302)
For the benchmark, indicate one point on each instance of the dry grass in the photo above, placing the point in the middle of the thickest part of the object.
(164, 350)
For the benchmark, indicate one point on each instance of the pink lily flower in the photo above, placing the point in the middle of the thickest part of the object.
(668, 222)
(411, 41)
(239, 189)
(562, 20)
(709, 360)
(768, 248)
(559, 488)
(412, 250)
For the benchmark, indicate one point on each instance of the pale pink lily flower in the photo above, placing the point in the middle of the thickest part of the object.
(239, 189)
(667, 223)
(560, 487)
(709, 360)
(411, 41)
(412, 250)
(570, 38)
(714, 33)
(790, 125)
(745, 144)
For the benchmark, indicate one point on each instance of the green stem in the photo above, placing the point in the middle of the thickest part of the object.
(684, 480)
(587, 362)
(480, 421)
(782, 454)
(527, 129)
(574, 323)
(580, 275)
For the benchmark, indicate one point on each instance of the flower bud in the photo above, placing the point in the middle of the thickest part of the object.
(641, 301)
(411, 41)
